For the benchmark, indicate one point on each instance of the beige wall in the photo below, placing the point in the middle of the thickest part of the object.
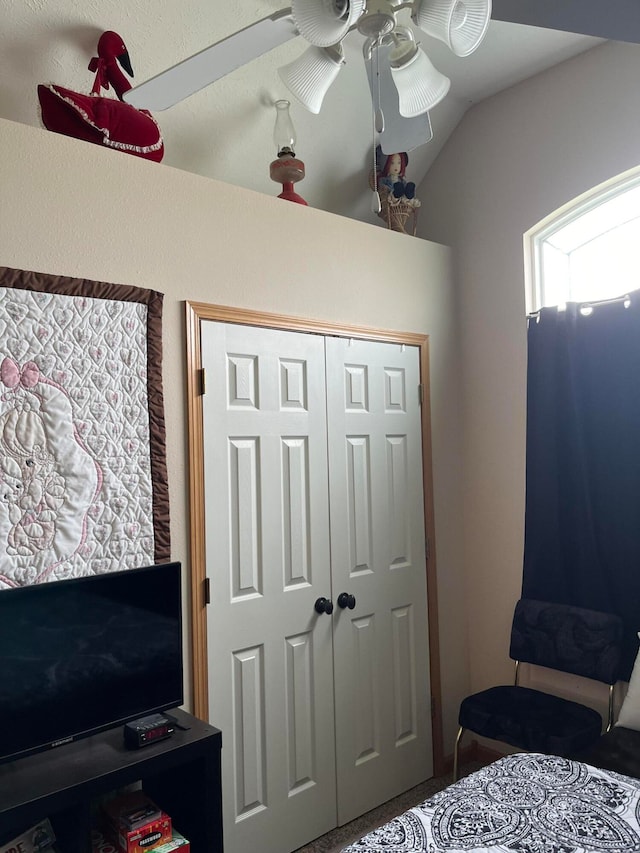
(75, 209)
(514, 159)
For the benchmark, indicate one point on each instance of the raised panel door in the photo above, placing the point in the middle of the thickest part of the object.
(267, 553)
(381, 649)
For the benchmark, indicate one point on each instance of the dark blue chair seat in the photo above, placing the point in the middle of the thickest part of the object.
(562, 637)
(531, 720)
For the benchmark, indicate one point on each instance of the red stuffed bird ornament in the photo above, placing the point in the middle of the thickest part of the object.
(103, 120)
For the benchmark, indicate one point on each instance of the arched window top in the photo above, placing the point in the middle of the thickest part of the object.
(588, 250)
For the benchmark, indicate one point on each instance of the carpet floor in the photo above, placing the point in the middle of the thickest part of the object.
(334, 841)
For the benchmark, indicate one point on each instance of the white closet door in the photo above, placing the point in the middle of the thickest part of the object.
(381, 657)
(267, 553)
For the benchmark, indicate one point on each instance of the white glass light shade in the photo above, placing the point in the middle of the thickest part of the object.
(325, 22)
(399, 133)
(420, 85)
(308, 78)
(460, 24)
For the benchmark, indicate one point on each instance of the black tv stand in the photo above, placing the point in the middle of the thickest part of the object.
(181, 774)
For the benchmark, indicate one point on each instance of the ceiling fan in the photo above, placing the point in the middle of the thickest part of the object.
(404, 84)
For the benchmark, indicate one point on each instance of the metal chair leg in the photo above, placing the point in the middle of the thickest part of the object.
(455, 754)
(610, 717)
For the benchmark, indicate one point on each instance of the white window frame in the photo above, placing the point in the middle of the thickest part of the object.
(535, 237)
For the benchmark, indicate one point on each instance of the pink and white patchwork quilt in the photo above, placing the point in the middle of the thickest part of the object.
(83, 487)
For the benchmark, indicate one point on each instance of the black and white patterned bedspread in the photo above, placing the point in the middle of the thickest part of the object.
(524, 803)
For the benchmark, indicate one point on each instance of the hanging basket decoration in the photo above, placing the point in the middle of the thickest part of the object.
(398, 214)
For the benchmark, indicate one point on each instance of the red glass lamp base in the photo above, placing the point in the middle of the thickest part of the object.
(287, 171)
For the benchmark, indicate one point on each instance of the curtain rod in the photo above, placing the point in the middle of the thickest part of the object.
(589, 304)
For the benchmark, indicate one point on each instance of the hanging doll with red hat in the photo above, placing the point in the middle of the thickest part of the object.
(391, 173)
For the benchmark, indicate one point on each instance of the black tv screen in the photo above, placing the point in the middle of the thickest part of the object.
(79, 656)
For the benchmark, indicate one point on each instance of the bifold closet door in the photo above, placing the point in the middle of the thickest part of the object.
(267, 553)
(313, 490)
(376, 499)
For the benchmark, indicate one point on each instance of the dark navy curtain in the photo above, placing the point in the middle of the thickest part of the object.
(582, 520)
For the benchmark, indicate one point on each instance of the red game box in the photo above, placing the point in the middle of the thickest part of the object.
(178, 842)
(101, 843)
(136, 823)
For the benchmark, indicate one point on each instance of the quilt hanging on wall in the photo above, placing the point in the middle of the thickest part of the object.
(83, 479)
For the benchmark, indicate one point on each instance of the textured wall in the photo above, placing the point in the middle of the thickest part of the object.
(513, 160)
(74, 209)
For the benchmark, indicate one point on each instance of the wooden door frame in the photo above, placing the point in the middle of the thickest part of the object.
(195, 313)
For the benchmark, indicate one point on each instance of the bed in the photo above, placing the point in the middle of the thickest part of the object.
(523, 803)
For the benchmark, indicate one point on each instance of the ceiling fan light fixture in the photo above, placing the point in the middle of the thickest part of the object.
(398, 132)
(378, 19)
(419, 83)
(376, 24)
(325, 22)
(309, 77)
(460, 24)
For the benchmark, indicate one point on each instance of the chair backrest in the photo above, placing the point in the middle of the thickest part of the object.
(570, 639)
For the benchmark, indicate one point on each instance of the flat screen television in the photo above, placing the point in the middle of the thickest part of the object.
(83, 655)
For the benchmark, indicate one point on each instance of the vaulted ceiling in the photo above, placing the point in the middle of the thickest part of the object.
(226, 130)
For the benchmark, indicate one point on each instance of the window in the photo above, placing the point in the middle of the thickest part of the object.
(588, 250)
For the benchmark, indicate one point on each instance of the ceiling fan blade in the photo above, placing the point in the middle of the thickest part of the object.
(192, 74)
(399, 133)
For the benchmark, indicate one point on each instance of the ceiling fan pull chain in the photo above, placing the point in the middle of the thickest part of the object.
(376, 204)
(378, 126)
(379, 115)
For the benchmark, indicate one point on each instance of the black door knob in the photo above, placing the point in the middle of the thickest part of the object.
(323, 605)
(345, 599)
